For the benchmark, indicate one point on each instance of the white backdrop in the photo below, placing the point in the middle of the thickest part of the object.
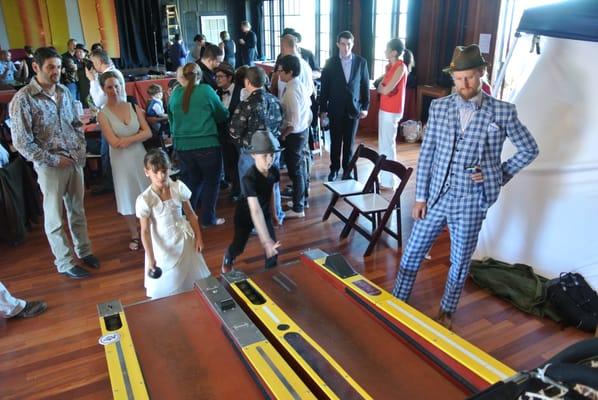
(547, 216)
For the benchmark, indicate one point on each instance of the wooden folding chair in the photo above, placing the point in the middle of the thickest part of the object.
(350, 185)
(377, 209)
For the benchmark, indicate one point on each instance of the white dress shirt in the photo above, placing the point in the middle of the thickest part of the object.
(346, 64)
(296, 107)
(97, 94)
(468, 108)
(305, 77)
(227, 95)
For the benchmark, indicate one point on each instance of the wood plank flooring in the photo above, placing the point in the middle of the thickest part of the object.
(57, 356)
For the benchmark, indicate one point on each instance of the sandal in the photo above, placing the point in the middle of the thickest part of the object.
(134, 244)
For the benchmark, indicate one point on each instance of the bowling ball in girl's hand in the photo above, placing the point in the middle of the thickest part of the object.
(155, 272)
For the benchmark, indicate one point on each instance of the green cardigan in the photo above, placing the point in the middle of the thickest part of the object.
(197, 128)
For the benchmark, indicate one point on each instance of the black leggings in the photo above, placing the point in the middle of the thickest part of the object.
(243, 227)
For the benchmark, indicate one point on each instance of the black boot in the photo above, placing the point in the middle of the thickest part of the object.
(227, 263)
(271, 262)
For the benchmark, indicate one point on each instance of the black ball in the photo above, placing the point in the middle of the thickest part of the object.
(155, 272)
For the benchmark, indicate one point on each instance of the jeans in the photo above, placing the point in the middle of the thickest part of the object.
(294, 155)
(246, 162)
(200, 171)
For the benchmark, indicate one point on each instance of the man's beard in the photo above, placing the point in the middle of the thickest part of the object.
(470, 95)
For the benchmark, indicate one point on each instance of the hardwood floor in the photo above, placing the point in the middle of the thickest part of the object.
(57, 356)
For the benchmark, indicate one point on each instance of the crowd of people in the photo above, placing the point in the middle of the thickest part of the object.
(241, 52)
(238, 127)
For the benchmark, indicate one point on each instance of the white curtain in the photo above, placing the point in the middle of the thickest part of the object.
(547, 216)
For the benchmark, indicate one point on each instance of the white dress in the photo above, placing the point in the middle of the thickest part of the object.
(127, 164)
(173, 242)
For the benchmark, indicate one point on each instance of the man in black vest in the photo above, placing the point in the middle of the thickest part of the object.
(344, 100)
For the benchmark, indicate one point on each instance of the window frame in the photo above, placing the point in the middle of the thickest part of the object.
(395, 15)
(270, 49)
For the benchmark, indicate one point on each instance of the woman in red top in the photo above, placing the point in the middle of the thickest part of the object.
(392, 101)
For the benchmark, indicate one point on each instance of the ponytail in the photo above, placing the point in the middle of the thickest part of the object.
(192, 75)
(408, 60)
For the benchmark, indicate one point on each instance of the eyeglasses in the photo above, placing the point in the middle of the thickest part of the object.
(221, 76)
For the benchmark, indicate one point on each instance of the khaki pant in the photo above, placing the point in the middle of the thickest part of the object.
(64, 185)
(9, 306)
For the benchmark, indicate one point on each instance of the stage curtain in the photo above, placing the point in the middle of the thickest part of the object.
(366, 33)
(139, 29)
(451, 22)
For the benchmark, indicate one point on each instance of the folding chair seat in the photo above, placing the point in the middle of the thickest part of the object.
(350, 184)
(378, 209)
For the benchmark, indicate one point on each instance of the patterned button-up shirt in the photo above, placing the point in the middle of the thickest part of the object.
(260, 111)
(43, 129)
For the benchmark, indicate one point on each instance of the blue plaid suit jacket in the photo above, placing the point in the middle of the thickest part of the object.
(495, 121)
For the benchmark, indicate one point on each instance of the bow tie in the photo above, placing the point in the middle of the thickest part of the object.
(223, 92)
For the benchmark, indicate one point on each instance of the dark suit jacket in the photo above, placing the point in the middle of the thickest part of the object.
(235, 99)
(339, 97)
(232, 106)
(207, 76)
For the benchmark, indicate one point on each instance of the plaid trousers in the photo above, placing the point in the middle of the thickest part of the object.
(464, 218)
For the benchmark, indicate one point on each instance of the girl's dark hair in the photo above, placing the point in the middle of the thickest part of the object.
(192, 73)
(156, 160)
(396, 45)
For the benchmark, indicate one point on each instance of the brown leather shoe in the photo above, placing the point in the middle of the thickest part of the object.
(445, 319)
(32, 309)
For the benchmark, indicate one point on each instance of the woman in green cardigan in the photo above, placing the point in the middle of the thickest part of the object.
(194, 110)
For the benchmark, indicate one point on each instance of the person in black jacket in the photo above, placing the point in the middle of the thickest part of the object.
(230, 95)
(247, 50)
(344, 100)
(212, 57)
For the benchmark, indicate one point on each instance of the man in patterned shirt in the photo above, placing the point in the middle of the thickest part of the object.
(261, 111)
(460, 174)
(46, 130)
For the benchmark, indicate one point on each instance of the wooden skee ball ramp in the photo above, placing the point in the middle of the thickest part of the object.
(465, 362)
(336, 347)
(195, 345)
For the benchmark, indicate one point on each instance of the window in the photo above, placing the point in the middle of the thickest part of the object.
(324, 31)
(390, 22)
(311, 18)
(212, 25)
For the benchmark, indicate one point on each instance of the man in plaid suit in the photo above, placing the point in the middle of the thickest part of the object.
(460, 174)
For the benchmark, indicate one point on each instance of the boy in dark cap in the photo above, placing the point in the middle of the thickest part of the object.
(256, 208)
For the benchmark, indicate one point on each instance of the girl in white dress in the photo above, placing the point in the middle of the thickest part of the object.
(172, 241)
(125, 129)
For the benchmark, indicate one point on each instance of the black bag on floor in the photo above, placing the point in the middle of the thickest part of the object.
(575, 300)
